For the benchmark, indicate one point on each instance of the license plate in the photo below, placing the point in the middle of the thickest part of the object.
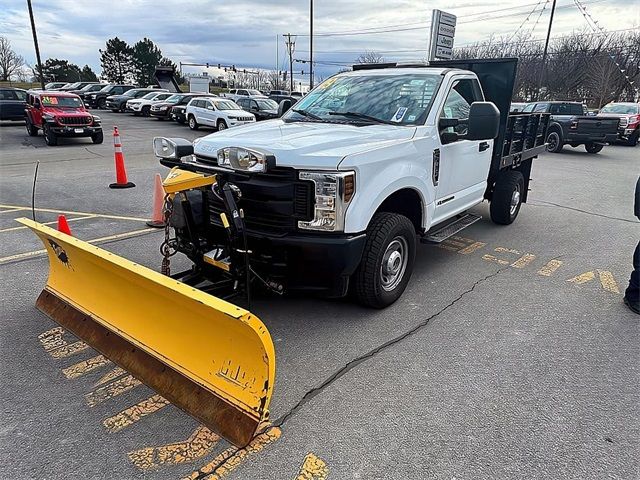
(78, 130)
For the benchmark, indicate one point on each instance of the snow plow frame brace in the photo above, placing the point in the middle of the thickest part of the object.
(210, 358)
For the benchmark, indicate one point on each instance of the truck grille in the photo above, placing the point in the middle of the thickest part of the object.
(273, 202)
(624, 121)
(74, 120)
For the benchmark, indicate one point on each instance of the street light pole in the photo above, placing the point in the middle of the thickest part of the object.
(310, 44)
(35, 43)
(546, 46)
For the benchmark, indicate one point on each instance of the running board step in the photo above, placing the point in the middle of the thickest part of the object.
(450, 229)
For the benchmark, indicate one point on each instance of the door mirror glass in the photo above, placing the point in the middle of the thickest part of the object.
(36, 103)
(484, 121)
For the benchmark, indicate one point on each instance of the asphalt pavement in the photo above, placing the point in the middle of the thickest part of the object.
(509, 356)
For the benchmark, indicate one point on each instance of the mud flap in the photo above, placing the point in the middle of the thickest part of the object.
(210, 358)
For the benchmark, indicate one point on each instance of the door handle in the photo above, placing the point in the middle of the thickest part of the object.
(483, 146)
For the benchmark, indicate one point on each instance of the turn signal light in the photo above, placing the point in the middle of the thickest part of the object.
(349, 187)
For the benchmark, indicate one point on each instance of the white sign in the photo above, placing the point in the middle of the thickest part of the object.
(443, 30)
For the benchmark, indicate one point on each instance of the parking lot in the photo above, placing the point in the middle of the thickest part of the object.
(510, 354)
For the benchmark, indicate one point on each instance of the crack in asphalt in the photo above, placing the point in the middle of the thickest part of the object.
(307, 397)
(542, 203)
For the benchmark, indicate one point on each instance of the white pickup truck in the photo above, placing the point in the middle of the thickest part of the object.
(337, 194)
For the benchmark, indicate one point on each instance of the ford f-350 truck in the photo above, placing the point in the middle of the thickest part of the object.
(337, 194)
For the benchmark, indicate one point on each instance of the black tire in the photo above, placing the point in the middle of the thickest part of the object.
(123, 107)
(32, 130)
(102, 102)
(554, 142)
(632, 141)
(221, 125)
(180, 120)
(507, 197)
(593, 147)
(391, 239)
(50, 138)
(146, 111)
(193, 125)
(115, 110)
(97, 137)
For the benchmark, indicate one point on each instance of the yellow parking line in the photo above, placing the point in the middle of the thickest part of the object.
(313, 468)
(118, 236)
(13, 229)
(135, 413)
(111, 390)
(69, 212)
(80, 368)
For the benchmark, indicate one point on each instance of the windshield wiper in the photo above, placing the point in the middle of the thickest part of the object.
(363, 116)
(304, 113)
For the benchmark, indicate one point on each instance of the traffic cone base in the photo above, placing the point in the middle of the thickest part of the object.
(122, 185)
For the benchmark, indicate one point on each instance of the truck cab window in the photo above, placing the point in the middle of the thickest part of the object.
(541, 108)
(458, 103)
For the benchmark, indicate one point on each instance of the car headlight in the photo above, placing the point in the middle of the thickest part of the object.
(333, 193)
(244, 159)
(172, 148)
(96, 119)
(93, 96)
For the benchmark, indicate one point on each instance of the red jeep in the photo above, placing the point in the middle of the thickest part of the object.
(60, 114)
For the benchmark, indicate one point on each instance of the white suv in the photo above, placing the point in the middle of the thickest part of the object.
(142, 106)
(239, 93)
(220, 113)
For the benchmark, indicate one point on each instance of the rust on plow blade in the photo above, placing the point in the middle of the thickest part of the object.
(210, 358)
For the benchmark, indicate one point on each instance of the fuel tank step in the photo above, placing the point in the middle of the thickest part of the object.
(450, 229)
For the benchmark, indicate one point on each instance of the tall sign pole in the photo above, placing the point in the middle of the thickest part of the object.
(310, 44)
(546, 46)
(443, 31)
(35, 43)
(291, 47)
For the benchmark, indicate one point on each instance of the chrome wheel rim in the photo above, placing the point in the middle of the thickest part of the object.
(552, 141)
(192, 122)
(222, 126)
(394, 263)
(515, 201)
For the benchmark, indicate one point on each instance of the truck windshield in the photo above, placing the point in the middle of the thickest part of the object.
(620, 108)
(402, 99)
(53, 101)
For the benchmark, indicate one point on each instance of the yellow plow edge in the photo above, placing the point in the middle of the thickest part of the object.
(210, 358)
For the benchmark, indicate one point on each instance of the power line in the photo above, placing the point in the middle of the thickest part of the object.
(526, 20)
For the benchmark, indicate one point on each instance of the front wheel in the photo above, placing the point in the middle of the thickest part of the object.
(593, 147)
(554, 142)
(97, 137)
(102, 103)
(507, 197)
(387, 260)
(146, 111)
(222, 125)
(32, 130)
(632, 141)
(193, 125)
(50, 137)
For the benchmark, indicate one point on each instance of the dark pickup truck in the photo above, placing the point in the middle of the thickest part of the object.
(570, 125)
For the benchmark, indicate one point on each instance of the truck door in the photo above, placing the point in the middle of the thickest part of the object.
(464, 164)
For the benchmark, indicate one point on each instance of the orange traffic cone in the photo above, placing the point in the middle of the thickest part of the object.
(63, 225)
(121, 173)
(157, 219)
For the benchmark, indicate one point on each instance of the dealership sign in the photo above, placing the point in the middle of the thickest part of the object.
(443, 29)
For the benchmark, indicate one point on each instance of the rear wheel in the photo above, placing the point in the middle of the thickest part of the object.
(554, 142)
(387, 260)
(32, 130)
(193, 125)
(632, 141)
(507, 197)
(97, 137)
(593, 147)
(50, 138)
(222, 125)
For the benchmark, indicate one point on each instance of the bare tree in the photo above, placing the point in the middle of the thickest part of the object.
(10, 62)
(370, 57)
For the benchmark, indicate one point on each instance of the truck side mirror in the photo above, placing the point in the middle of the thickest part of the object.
(36, 103)
(284, 106)
(484, 121)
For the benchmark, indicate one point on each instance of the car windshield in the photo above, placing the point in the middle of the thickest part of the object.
(267, 104)
(225, 105)
(131, 93)
(254, 92)
(620, 108)
(91, 88)
(107, 88)
(403, 99)
(65, 102)
(174, 98)
(151, 95)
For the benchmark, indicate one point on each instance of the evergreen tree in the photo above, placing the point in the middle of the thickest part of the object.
(146, 56)
(117, 61)
(61, 70)
(88, 75)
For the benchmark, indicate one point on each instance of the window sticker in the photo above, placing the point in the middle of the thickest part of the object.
(399, 115)
(50, 100)
(411, 118)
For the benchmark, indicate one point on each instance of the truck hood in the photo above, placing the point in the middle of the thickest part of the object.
(305, 144)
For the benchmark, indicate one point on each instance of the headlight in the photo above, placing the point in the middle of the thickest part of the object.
(172, 148)
(244, 159)
(96, 119)
(92, 96)
(333, 193)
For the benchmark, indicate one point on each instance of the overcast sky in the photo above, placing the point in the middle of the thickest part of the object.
(246, 32)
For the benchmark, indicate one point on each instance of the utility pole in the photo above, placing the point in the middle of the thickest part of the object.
(546, 46)
(311, 45)
(291, 47)
(277, 85)
(35, 43)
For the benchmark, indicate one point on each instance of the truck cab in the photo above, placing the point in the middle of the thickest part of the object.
(339, 191)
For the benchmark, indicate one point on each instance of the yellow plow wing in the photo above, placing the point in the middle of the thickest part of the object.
(210, 358)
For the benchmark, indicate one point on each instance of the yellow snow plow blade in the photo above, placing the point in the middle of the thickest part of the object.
(210, 358)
